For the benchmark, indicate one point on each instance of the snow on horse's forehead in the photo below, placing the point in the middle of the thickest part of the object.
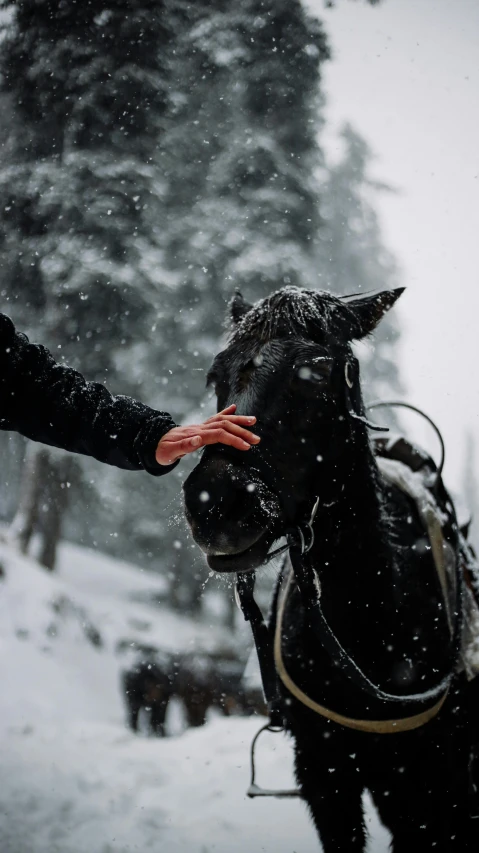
(310, 314)
(289, 312)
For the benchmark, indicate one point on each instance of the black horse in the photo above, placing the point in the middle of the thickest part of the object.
(387, 647)
(148, 686)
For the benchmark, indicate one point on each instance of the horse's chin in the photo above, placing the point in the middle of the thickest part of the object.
(242, 561)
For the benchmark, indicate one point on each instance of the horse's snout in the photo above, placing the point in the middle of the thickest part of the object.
(223, 491)
(227, 510)
(221, 494)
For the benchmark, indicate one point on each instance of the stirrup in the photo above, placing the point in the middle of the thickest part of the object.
(255, 790)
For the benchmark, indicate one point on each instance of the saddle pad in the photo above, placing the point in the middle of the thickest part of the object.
(413, 484)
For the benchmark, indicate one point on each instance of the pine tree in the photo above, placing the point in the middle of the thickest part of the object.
(86, 84)
(239, 158)
(353, 258)
(247, 123)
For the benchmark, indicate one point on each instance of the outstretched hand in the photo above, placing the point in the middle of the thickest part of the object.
(223, 428)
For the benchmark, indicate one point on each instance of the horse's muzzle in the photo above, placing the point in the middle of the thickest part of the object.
(231, 514)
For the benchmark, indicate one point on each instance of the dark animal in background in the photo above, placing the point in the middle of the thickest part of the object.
(231, 694)
(148, 686)
(195, 686)
(289, 360)
(204, 681)
(199, 681)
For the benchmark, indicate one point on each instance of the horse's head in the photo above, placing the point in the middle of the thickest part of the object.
(288, 361)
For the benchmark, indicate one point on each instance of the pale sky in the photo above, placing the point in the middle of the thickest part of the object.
(406, 75)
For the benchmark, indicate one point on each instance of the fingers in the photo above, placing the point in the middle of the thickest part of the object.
(179, 433)
(234, 419)
(168, 452)
(224, 436)
(227, 425)
(223, 428)
(188, 444)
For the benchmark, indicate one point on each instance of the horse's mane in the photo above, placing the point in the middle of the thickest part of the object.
(291, 312)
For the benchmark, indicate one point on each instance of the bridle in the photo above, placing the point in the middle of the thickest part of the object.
(301, 536)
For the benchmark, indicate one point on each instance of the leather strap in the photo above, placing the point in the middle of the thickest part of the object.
(264, 644)
(318, 624)
(393, 726)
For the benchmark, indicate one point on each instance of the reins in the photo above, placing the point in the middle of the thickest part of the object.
(319, 625)
(391, 726)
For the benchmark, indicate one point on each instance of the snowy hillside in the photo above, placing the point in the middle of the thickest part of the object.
(75, 780)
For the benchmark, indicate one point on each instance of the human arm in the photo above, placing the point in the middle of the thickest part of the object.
(54, 404)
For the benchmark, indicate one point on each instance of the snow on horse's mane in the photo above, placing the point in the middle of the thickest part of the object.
(291, 311)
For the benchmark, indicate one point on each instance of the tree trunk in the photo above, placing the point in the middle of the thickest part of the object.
(43, 499)
(231, 610)
(186, 583)
(54, 503)
(32, 483)
(194, 600)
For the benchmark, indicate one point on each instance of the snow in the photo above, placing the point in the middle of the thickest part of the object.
(75, 779)
(292, 310)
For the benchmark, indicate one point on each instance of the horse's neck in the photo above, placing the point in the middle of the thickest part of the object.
(369, 592)
(351, 538)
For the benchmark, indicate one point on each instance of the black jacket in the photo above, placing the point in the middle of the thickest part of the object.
(54, 404)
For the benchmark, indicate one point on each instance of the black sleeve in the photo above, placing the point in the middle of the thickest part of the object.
(54, 404)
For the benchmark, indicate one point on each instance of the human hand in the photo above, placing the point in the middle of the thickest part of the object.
(223, 428)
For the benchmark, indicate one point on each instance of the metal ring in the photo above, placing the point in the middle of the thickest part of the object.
(378, 404)
(311, 539)
(302, 539)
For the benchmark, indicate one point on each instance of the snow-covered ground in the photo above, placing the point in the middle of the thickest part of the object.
(74, 778)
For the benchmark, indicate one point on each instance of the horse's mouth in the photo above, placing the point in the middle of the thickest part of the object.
(243, 561)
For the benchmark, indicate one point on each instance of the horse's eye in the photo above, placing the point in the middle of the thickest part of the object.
(250, 365)
(317, 374)
(246, 373)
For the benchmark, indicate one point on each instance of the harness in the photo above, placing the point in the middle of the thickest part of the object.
(402, 724)
(302, 573)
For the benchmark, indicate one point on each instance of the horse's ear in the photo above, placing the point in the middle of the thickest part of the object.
(238, 307)
(364, 313)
